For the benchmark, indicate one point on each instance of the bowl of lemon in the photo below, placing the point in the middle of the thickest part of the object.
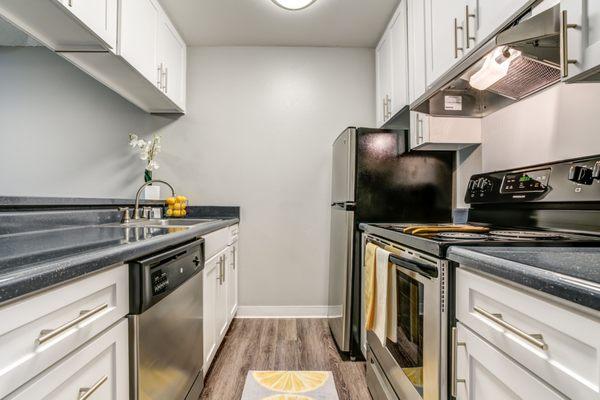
(176, 207)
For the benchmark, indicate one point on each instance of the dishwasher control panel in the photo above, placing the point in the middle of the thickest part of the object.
(160, 274)
(160, 282)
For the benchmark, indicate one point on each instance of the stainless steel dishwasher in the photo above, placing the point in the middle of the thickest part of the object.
(165, 324)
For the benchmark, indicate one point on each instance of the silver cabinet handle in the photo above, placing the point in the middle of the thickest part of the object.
(419, 129)
(456, 29)
(48, 334)
(224, 269)
(468, 30)
(166, 79)
(159, 76)
(85, 393)
(384, 108)
(219, 273)
(535, 339)
(389, 105)
(453, 380)
(564, 44)
(70, 3)
(234, 260)
(163, 77)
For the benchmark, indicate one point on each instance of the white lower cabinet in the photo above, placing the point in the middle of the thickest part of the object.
(232, 280)
(220, 289)
(98, 370)
(485, 373)
(40, 330)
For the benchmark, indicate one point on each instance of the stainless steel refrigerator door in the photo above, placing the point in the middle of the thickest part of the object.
(167, 341)
(344, 167)
(340, 275)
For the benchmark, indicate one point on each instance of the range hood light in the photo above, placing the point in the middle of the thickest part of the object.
(294, 5)
(495, 67)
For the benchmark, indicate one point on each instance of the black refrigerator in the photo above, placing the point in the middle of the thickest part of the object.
(376, 179)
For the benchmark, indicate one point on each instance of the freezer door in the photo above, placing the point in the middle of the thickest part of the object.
(340, 275)
(344, 167)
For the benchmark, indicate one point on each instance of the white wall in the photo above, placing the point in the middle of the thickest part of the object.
(258, 134)
(559, 123)
(62, 133)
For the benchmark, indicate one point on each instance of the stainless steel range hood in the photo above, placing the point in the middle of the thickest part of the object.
(517, 62)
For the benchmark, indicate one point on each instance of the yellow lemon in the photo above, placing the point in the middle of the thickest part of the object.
(177, 213)
(181, 199)
(177, 206)
(291, 381)
(183, 212)
(287, 397)
(170, 200)
(169, 212)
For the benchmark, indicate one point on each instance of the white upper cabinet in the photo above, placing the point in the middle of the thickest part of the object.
(392, 67)
(171, 61)
(139, 36)
(66, 25)
(443, 133)
(383, 62)
(581, 36)
(100, 16)
(417, 80)
(485, 16)
(444, 30)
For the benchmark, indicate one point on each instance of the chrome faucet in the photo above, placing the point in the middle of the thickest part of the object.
(136, 210)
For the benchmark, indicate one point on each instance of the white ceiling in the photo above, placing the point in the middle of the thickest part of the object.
(347, 23)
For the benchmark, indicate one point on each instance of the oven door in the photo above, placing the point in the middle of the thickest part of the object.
(412, 361)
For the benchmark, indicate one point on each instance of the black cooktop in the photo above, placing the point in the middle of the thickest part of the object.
(437, 243)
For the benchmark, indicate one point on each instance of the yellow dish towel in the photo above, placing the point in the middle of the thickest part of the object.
(382, 274)
(370, 285)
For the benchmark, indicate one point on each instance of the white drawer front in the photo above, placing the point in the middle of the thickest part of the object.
(25, 322)
(99, 370)
(567, 354)
(484, 373)
(215, 242)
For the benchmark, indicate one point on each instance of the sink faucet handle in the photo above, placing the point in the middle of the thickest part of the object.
(125, 219)
(147, 212)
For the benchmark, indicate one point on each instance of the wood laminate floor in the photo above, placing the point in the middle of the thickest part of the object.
(280, 344)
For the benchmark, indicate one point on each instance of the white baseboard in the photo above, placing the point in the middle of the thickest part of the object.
(282, 312)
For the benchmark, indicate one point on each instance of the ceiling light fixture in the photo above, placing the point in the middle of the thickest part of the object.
(293, 5)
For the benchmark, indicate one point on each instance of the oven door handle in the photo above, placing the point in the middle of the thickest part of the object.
(419, 268)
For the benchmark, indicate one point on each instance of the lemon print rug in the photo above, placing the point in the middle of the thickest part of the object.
(289, 385)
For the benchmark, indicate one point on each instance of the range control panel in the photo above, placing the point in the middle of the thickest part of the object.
(565, 181)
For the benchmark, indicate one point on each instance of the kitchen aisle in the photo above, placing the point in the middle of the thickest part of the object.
(280, 344)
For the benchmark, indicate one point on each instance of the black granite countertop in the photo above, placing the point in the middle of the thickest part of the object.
(34, 260)
(571, 273)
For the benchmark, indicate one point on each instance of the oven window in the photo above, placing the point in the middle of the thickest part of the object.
(408, 348)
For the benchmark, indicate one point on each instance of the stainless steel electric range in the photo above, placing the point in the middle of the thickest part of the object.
(556, 204)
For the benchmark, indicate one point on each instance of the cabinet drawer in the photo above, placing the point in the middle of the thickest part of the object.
(99, 370)
(38, 331)
(559, 345)
(484, 373)
(215, 242)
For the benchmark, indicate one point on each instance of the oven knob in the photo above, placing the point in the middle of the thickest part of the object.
(582, 175)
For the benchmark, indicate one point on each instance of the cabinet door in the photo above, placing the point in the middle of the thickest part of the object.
(99, 369)
(417, 80)
(171, 56)
(210, 283)
(139, 36)
(232, 281)
(484, 373)
(486, 16)
(583, 40)
(419, 129)
(100, 16)
(221, 310)
(444, 36)
(383, 62)
(399, 76)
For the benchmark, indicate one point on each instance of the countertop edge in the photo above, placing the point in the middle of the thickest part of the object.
(530, 276)
(43, 276)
